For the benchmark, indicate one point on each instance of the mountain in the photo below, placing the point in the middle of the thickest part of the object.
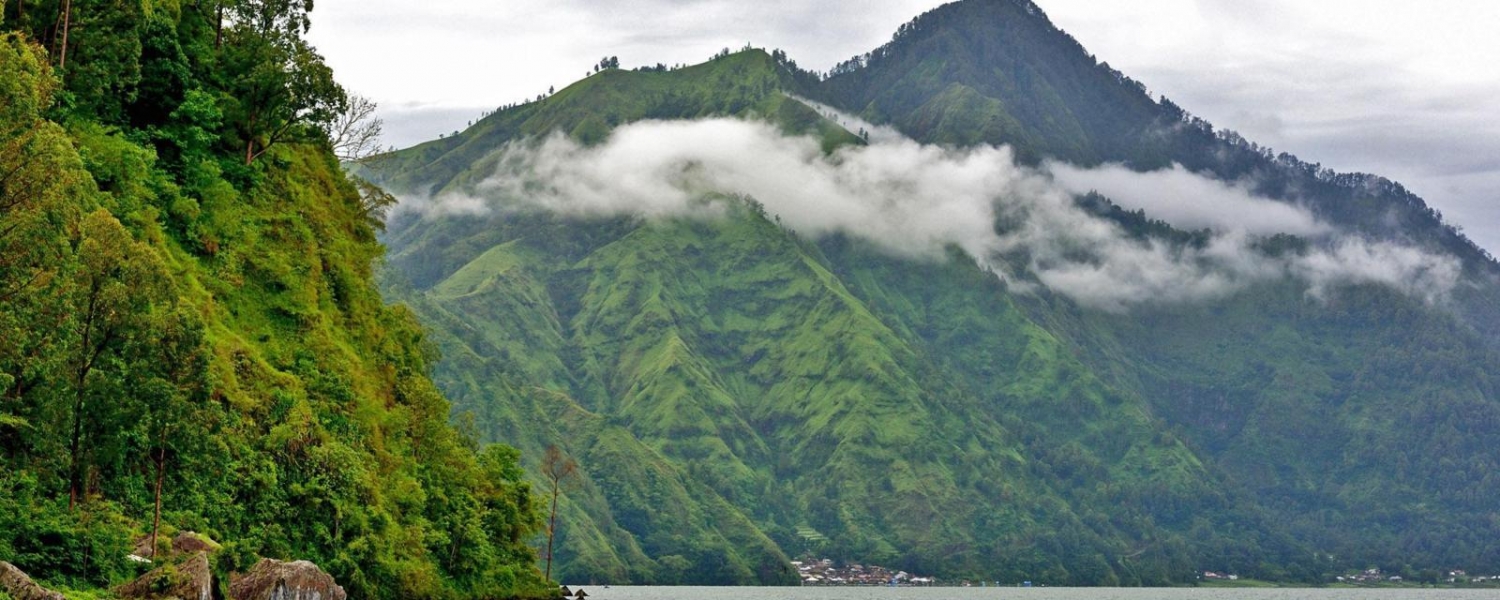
(192, 336)
(749, 375)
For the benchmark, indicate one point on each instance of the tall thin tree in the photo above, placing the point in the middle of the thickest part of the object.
(557, 467)
(67, 19)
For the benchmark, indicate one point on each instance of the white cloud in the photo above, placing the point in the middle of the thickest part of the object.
(914, 200)
(1401, 89)
(1189, 201)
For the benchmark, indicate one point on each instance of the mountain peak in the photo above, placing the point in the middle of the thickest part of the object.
(1038, 89)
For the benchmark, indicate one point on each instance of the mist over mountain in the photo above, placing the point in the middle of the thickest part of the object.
(974, 304)
(916, 200)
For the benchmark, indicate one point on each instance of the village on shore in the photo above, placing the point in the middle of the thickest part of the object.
(825, 572)
(822, 571)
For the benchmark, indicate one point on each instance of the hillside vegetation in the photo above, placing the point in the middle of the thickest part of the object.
(190, 326)
(736, 392)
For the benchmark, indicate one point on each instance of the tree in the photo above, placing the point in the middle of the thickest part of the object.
(280, 85)
(355, 131)
(118, 283)
(168, 382)
(67, 21)
(374, 202)
(557, 468)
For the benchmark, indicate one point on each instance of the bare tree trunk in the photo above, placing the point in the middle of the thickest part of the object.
(219, 27)
(62, 61)
(161, 472)
(249, 152)
(551, 530)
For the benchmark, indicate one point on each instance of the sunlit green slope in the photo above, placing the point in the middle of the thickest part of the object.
(183, 324)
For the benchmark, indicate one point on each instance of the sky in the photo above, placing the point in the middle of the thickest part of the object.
(1407, 90)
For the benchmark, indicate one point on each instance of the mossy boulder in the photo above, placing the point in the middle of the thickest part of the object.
(191, 580)
(272, 579)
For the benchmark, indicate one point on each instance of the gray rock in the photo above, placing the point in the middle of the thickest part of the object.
(21, 587)
(191, 580)
(272, 579)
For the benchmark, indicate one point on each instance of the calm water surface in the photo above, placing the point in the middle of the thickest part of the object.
(878, 593)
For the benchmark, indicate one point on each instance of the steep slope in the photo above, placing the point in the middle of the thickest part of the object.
(824, 394)
(733, 353)
(998, 72)
(195, 339)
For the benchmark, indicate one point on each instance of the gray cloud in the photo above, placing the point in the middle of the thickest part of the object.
(914, 200)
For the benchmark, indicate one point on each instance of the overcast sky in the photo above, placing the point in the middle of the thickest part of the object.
(1408, 90)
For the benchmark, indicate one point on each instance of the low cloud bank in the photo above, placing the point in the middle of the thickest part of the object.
(1189, 201)
(914, 200)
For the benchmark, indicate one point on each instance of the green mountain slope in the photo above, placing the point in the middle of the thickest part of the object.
(194, 336)
(751, 368)
(786, 394)
(1278, 389)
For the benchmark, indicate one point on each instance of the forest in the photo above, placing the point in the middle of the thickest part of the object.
(192, 338)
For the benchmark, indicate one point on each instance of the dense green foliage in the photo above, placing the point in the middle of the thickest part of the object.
(186, 293)
(830, 398)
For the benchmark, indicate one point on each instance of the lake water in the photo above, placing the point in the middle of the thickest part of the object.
(951, 593)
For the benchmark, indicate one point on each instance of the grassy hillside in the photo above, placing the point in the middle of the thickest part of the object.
(730, 354)
(192, 330)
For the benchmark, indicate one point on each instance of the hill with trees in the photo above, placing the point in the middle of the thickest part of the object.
(192, 338)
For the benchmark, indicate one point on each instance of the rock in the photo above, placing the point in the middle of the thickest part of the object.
(188, 542)
(20, 586)
(272, 579)
(142, 548)
(191, 580)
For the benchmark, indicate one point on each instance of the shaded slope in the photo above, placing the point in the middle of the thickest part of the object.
(1277, 388)
(999, 72)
